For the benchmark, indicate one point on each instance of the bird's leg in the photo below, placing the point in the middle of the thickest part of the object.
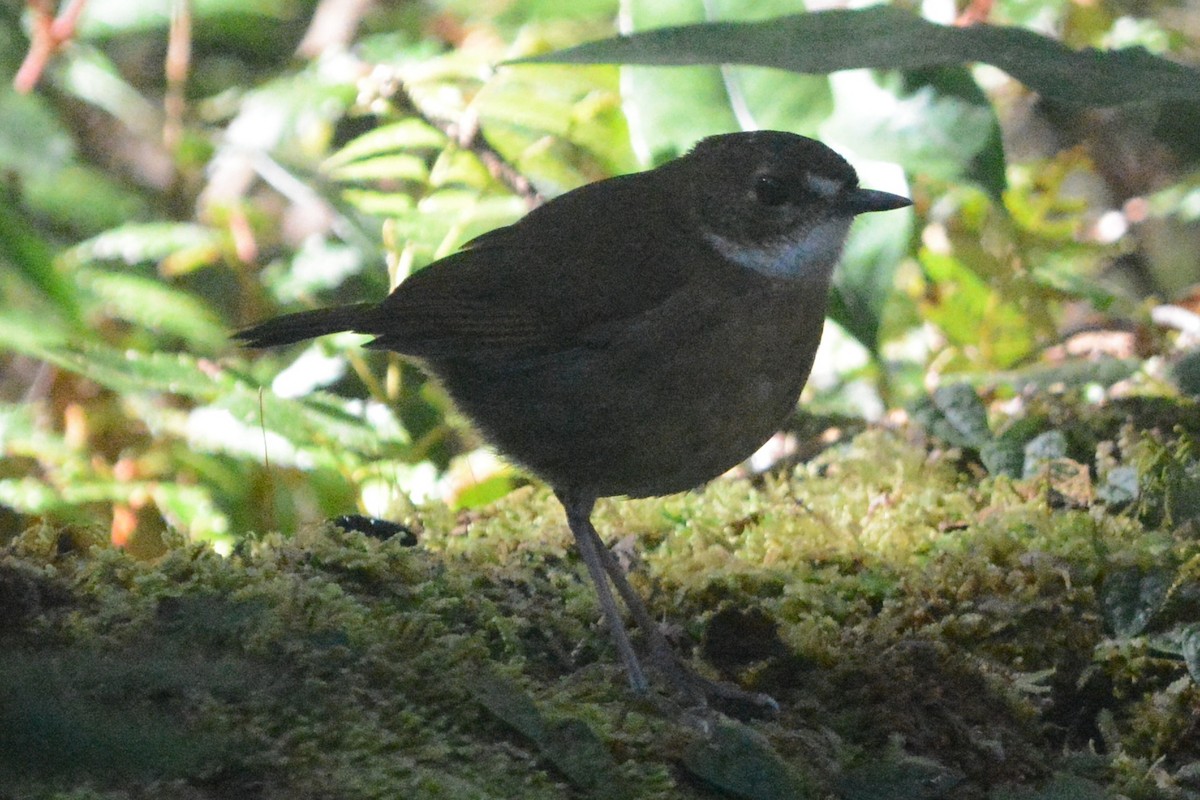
(660, 648)
(579, 513)
(603, 567)
(686, 680)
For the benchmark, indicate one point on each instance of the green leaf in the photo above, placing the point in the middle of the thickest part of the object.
(20, 435)
(23, 249)
(955, 414)
(34, 496)
(969, 108)
(23, 332)
(446, 219)
(392, 166)
(936, 123)
(883, 37)
(486, 492)
(183, 243)
(157, 306)
(1062, 786)
(865, 281)
(459, 168)
(378, 203)
(1191, 650)
(568, 743)
(964, 415)
(323, 423)
(190, 508)
(971, 313)
(1131, 598)
(739, 761)
(84, 198)
(323, 429)
(579, 754)
(896, 776)
(1186, 372)
(133, 372)
(559, 126)
(407, 134)
(669, 110)
(1043, 449)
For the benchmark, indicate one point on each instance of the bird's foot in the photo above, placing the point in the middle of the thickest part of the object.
(702, 691)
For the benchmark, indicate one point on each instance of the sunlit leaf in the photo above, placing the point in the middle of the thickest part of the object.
(156, 306)
(459, 168)
(149, 242)
(191, 508)
(971, 313)
(379, 203)
(331, 425)
(453, 214)
(22, 436)
(394, 166)
(560, 127)
(407, 134)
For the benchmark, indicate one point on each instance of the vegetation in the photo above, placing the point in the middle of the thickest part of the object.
(973, 574)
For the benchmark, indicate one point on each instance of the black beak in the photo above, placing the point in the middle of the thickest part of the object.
(860, 201)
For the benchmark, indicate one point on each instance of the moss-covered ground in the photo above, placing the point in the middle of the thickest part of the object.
(929, 627)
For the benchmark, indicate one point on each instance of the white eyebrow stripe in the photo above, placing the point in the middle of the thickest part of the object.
(825, 187)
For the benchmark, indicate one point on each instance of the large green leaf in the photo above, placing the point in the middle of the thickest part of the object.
(669, 110)
(883, 37)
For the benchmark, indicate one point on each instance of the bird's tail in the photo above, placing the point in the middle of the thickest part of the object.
(292, 328)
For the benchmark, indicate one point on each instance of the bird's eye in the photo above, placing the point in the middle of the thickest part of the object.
(770, 191)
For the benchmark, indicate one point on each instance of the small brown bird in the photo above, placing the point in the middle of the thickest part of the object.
(636, 336)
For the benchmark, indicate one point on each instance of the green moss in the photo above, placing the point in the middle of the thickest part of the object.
(918, 624)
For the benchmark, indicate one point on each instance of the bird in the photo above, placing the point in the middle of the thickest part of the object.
(637, 336)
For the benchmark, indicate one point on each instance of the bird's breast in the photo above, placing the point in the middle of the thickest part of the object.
(655, 404)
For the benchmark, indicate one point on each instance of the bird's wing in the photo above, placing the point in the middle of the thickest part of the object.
(584, 261)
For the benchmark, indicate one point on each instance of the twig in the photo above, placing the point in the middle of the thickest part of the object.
(178, 62)
(49, 35)
(466, 134)
(333, 26)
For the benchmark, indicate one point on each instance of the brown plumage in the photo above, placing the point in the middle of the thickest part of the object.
(637, 336)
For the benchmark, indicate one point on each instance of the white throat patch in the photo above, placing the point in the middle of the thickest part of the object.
(812, 255)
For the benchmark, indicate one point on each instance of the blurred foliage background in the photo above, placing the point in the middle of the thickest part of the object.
(181, 169)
